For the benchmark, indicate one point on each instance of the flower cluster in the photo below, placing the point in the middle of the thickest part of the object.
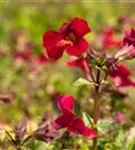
(97, 66)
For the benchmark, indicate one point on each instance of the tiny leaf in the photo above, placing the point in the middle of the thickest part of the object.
(87, 119)
(82, 82)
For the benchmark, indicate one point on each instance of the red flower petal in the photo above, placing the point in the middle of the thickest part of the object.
(50, 42)
(77, 126)
(123, 82)
(55, 53)
(79, 48)
(66, 102)
(75, 25)
(51, 38)
(64, 120)
(80, 27)
(121, 76)
(80, 63)
(121, 70)
(89, 132)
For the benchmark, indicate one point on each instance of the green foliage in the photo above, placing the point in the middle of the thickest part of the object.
(131, 144)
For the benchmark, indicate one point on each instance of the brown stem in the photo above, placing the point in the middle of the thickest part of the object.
(96, 107)
(90, 76)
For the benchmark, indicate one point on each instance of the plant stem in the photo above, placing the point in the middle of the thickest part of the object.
(96, 107)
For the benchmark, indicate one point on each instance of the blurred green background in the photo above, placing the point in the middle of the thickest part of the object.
(38, 16)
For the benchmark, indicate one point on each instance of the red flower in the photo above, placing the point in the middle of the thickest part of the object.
(129, 38)
(109, 42)
(121, 76)
(69, 120)
(80, 63)
(69, 38)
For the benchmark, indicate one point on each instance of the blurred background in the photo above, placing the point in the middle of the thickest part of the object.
(30, 85)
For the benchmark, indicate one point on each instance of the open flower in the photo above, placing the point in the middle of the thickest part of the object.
(69, 38)
(69, 120)
(121, 76)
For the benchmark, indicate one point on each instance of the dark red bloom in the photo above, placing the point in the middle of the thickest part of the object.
(129, 38)
(80, 63)
(69, 38)
(69, 120)
(121, 76)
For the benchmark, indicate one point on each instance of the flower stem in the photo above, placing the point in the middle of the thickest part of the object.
(96, 107)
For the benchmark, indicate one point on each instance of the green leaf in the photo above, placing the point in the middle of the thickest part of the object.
(104, 82)
(82, 82)
(87, 119)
